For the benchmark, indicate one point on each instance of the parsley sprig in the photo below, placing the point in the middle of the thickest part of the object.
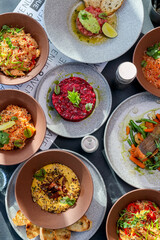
(74, 97)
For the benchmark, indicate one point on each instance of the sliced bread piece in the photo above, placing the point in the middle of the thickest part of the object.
(83, 224)
(32, 230)
(20, 219)
(62, 234)
(111, 6)
(47, 234)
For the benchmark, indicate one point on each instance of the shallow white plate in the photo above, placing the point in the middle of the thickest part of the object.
(95, 213)
(57, 15)
(116, 149)
(103, 100)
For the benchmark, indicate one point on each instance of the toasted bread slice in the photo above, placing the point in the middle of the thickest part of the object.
(111, 6)
(83, 224)
(93, 3)
(32, 230)
(20, 219)
(47, 234)
(62, 234)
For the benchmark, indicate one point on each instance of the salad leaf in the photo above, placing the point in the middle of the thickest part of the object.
(88, 106)
(18, 143)
(57, 89)
(40, 174)
(14, 118)
(4, 138)
(67, 200)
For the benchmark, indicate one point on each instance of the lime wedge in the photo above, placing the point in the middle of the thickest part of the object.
(6, 125)
(109, 31)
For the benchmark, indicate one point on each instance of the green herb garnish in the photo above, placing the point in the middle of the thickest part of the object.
(39, 175)
(0, 118)
(4, 138)
(9, 42)
(27, 133)
(143, 63)
(74, 97)
(18, 143)
(67, 200)
(14, 118)
(57, 89)
(154, 51)
(103, 15)
(88, 106)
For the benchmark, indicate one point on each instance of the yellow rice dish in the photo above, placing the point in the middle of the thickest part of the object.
(18, 51)
(15, 127)
(55, 188)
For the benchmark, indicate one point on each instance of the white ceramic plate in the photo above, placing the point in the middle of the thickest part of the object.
(96, 211)
(103, 100)
(57, 19)
(116, 149)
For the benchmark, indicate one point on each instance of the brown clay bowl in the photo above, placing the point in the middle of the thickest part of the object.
(37, 32)
(32, 210)
(113, 216)
(146, 41)
(22, 99)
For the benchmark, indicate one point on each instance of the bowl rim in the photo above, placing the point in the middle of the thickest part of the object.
(121, 199)
(43, 118)
(150, 88)
(26, 78)
(52, 224)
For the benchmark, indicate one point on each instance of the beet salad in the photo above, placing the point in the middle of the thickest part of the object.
(74, 99)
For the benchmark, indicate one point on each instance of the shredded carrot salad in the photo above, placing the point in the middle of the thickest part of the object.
(15, 127)
(151, 65)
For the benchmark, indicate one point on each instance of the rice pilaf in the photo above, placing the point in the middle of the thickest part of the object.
(21, 129)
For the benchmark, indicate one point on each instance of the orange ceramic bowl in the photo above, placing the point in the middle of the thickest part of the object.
(148, 40)
(32, 210)
(113, 216)
(32, 145)
(31, 26)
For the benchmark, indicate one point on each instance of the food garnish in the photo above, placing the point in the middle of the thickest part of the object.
(57, 89)
(139, 220)
(74, 97)
(4, 138)
(109, 31)
(6, 125)
(18, 51)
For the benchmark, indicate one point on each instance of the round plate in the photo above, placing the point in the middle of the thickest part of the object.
(116, 149)
(103, 103)
(57, 19)
(96, 211)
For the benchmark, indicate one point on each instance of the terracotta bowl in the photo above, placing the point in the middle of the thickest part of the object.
(37, 32)
(146, 41)
(22, 99)
(32, 210)
(113, 216)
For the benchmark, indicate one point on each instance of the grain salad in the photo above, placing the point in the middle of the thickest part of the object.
(15, 127)
(18, 51)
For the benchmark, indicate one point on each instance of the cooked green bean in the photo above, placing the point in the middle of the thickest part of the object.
(146, 120)
(129, 142)
(139, 129)
(132, 137)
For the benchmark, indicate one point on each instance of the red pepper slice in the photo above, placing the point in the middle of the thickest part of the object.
(133, 208)
(151, 215)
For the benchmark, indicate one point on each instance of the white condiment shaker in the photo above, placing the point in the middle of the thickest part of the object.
(125, 74)
(89, 144)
